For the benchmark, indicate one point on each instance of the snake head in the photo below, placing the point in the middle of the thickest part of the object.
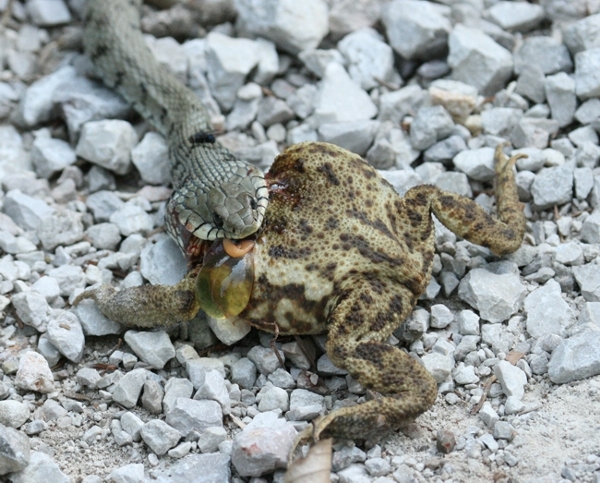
(237, 210)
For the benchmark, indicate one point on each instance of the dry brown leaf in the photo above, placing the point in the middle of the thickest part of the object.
(315, 468)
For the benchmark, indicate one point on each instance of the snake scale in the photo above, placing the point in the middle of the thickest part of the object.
(215, 195)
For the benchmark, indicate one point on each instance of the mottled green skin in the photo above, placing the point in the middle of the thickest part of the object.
(340, 252)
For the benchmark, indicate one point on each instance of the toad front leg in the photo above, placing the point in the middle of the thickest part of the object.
(148, 305)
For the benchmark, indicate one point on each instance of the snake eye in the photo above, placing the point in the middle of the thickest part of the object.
(218, 221)
(253, 203)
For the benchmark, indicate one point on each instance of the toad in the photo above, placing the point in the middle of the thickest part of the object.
(339, 252)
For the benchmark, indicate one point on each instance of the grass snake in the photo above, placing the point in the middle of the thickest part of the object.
(215, 195)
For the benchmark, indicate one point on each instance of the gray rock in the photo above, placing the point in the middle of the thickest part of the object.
(395, 105)
(270, 398)
(13, 414)
(416, 30)
(369, 58)
(302, 100)
(531, 83)
(532, 131)
(93, 321)
(583, 34)
(550, 55)
(128, 389)
(520, 17)
(577, 357)
(587, 75)
(15, 244)
(131, 473)
(41, 467)
(445, 150)
(488, 415)
(588, 111)
(86, 376)
(154, 348)
(205, 468)
(70, 278)
(48, 13)
(50, 156)
(465, 374)
(590, 230)
(159, 436)
(34, 374)
(132, 218)
(590, 314)
(441, 316)
(293, 26)
(63, 227)
(104, 236)
(511, 378)
(65, 333)
(499, 121)
(108, 144)
(467, 49)
(50, 353)
(37, 102)
(439, 365)
(569, 254)
(272, 111)
(163, 263)
(14, 450)
(347, 16)
(229, 330)
(266, 360)
(584, 182)
(48, 287)
(392, 147)
(152, 396)
(229, 62)
(121, 437)
(468, 322)
(355, 136)
(132, 425)
(553, 186)
(210, 384)
(51, 410)
(431, 124)
(32, 309)
(534, 160)
(456, 183)
(243, 372)
(581, 137)
(560, 92)
(103, 204)
(259, 450)
(82, 100)
(211, 438)
(176, 388)
(316, 60)
(191, 415)
(340, 99)
(243, 113)
(547, 312)
(588, 279)
(27, 212)
(477, 164)
(151, 158)
(495, 291)
(345, 456)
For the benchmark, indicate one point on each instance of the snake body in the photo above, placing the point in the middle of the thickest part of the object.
(215, 195)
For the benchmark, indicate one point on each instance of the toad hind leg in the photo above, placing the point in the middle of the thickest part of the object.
(466, 218)
(359, 325)
(147, 305)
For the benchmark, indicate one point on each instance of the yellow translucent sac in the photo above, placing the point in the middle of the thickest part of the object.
(224, 284)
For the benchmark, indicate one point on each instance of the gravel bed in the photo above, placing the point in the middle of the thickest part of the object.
(424, 91)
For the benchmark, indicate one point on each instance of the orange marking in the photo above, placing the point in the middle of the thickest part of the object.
(237, 250)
